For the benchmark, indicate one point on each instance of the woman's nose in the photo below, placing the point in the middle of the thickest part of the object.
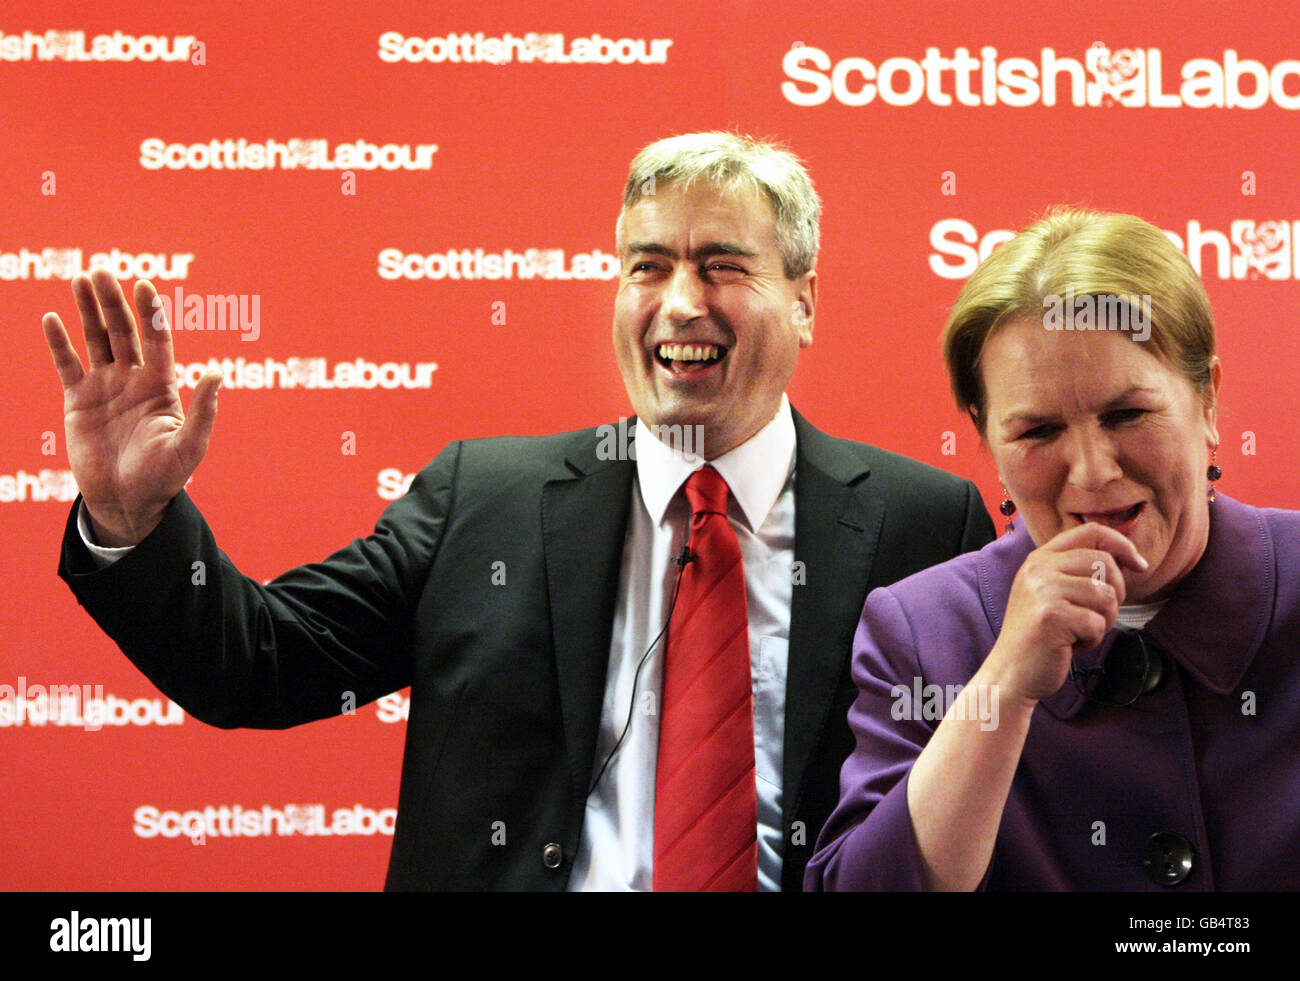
(1093, 461)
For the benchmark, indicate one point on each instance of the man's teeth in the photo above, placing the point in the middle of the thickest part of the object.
(689, 352)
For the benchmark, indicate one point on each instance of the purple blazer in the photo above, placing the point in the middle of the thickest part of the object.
(1209, 762)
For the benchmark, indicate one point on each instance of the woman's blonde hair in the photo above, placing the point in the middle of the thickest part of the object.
(1081, 253)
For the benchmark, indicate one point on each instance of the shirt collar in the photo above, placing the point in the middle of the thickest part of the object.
(756, 471)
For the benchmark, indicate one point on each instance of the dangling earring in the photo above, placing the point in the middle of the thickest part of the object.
(1007, 507)
(1212, 472)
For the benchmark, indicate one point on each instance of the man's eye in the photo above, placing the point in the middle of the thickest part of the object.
(1038, 432)
(725, 267)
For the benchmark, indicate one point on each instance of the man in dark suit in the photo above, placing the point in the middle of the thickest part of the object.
(520, 586)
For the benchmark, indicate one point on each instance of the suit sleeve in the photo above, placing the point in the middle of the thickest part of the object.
(233, 652)
(868, 841)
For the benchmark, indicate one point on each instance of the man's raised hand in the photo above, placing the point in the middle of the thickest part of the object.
(130, 445)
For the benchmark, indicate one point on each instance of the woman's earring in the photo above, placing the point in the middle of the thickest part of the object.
(1212, 472)
(1007, 507)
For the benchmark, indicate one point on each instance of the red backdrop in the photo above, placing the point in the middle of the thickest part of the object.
(927, 127)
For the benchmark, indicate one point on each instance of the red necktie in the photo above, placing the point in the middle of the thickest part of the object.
(706, 803)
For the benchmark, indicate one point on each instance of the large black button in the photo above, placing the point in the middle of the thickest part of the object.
(1135, 667)
(1168, 858)
(552, 855)
(1155, 670)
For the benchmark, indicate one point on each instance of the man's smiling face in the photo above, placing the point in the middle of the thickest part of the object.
(707, 327)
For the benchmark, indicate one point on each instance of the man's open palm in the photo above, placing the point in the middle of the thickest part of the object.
(130, 445)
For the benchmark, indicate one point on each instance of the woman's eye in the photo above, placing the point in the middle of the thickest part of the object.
(1120, 416)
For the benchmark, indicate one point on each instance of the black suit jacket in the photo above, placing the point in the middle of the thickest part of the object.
(507, 677)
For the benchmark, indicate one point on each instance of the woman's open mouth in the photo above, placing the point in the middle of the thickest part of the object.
(1120, 520)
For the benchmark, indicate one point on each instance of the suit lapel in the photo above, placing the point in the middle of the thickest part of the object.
(584, 522)
(837, 527)
(584, 526)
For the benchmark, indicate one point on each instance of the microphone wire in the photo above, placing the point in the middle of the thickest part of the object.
(683, 559)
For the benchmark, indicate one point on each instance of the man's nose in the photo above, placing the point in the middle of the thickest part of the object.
(684, 296)
(1093, 460)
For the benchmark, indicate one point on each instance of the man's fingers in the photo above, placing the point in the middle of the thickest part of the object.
(122, 336)
(66, 361)
(193, 440)
(92, 321)
(155, 331)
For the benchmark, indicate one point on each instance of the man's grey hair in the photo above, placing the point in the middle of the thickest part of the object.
(730, 162)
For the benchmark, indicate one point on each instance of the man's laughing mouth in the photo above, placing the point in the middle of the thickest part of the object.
(688, 359)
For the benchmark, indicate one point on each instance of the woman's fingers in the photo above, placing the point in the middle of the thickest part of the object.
(1094, 565)
(1087, 593)
(1089, 627)
(1099, 536)
(1065, 596)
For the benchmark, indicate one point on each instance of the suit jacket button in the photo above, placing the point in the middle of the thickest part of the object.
(552, 855)
(1168, 858)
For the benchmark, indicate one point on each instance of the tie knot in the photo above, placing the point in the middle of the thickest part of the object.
(707, 492)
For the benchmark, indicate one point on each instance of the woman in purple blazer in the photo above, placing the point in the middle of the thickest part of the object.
(1108, 697)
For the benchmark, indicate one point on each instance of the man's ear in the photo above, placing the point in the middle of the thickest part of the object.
(805, 303)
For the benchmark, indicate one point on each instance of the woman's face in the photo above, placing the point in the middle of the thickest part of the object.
(1094, 426)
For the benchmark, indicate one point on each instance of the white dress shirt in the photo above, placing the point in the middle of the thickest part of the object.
(617, 848)
(1135, 617)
